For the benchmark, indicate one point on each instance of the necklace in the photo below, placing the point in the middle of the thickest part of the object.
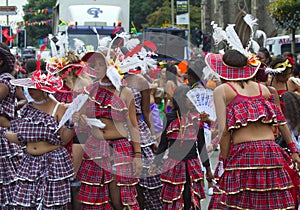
(40, 102)
(105, 84)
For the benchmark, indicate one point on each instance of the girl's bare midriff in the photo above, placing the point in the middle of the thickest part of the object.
(40, 148)
(254, 131)
(113, 130)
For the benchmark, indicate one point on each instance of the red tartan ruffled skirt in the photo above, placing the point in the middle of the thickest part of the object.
(255, 178)
(96, 172)
(174, 178)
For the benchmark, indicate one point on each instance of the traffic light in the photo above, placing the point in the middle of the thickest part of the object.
(21, 39)
(6, 32)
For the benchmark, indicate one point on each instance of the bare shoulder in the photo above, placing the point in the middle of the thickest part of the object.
(126, 93)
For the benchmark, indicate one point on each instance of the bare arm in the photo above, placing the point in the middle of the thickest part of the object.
(133, 128)
(146, 108)
(4, 90)
(66, 134)
(12, 137)
(131, 119)
(224, 135)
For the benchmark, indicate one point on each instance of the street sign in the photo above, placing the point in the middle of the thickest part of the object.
(8, 10)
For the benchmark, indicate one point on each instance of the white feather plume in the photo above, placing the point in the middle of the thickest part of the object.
(79, 47)
(234, 40)
(132, 43)
(219, 34)
(274, 71)
(251, 22)
(52, 45)
(114, 76)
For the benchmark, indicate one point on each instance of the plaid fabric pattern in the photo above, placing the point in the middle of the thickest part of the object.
(215, 62)
(35, 125)
(152, 199)
(6, 195)
(9, 162)
(66, 97)
(44, 177)
(105, 104)
(174, 178)
(9, 104)
(189, 126)
(137, 100)
(275, 199)
(146, 139)
(255, 177)
(239, 114)
(96, 174)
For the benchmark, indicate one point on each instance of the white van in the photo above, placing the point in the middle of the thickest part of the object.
(280, 44)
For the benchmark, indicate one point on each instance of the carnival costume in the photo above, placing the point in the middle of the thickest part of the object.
(10, 153)
(152, 184)
(182, 169)
(44, 179)
(105, 158)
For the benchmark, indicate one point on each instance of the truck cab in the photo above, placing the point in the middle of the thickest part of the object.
(81, 16)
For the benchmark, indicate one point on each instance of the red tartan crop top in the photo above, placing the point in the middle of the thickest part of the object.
(35, 125)
(105, 104)
(243, 109)
(189, 125)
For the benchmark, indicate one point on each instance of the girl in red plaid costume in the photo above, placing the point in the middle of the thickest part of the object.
(72, 71)
(254, 165)
(111, 163)
(10, 153)
(182, 173)
(149, 187)
(43, 177)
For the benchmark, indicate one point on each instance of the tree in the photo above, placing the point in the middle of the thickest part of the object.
(286, 14)
(38, 30)
(162, 16)
(139, 10)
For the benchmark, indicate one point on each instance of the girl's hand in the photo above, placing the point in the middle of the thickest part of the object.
(204, 117)
(296, 160)
(152, 170)
(79, 119)
(137, 166)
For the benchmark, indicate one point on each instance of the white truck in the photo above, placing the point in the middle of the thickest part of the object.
(82, 16)
(280, 44)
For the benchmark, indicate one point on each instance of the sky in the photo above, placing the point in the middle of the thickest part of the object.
(13, 19)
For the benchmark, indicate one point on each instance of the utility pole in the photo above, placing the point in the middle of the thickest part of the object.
(7, 21)
(172, 12)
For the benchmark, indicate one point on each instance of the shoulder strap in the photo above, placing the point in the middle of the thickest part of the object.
(232, 87)
(260, 90)
(55, 109)
(271, 81)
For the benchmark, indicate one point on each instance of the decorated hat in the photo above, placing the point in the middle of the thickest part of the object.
(43, 81)
(215, 62)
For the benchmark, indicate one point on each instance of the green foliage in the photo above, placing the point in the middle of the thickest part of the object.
(139, 10)
(286, 13)
(37, 31)
(162, 16)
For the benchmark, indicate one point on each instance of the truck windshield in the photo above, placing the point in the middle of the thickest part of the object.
(90, 41)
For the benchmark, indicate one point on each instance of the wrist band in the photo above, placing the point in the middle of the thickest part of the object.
(137, 152)
(292, 147)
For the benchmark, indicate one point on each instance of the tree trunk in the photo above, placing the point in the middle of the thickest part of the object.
(293, 46)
